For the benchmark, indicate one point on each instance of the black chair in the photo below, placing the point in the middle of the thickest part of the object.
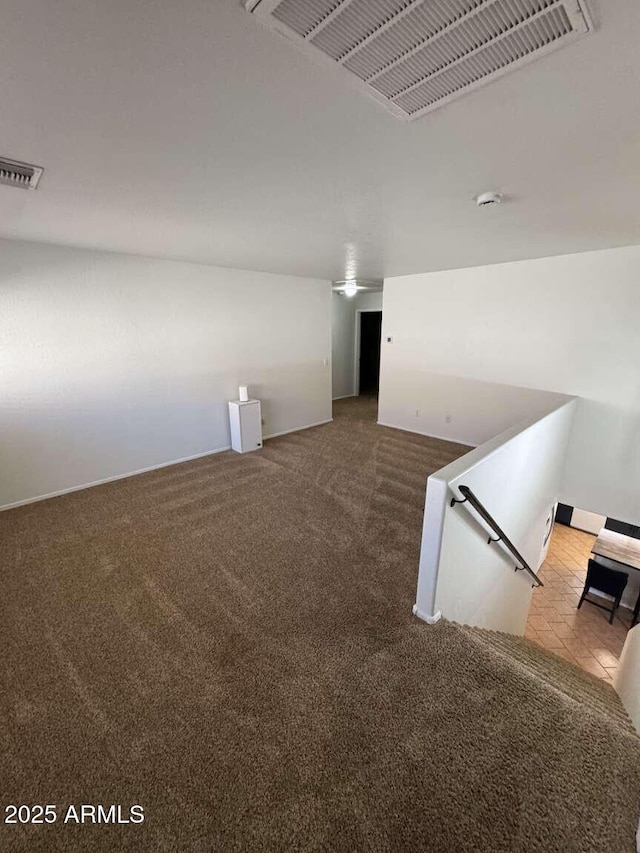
(604, 580)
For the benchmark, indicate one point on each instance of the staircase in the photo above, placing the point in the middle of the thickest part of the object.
(554, 675)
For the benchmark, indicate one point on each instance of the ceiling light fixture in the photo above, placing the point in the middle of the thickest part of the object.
(487, 198)
(350, 288)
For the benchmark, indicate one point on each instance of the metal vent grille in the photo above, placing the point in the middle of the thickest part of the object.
(415, 55)
(22, 175)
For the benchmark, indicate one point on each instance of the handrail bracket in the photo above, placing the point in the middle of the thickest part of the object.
(501, 536)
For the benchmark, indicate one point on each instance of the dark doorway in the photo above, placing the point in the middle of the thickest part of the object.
(370, 334)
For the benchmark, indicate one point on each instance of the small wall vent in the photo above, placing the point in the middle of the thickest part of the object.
(416, 55)
(22, 175)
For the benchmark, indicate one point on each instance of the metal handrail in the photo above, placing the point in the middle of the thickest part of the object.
(493, 524)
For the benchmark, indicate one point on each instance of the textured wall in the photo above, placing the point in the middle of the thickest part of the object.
(343, 327)
(113, 363)
(567, 324)
(517, 477)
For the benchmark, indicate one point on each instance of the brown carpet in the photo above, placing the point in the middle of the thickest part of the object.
(229, 643)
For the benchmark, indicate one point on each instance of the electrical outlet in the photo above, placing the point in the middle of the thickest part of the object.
(447, 419)
(417, 413)
(262, 421)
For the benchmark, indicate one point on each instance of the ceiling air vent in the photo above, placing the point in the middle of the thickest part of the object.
(416, 55)
(22, 175)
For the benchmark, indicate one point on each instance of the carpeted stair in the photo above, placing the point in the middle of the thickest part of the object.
(552, 673)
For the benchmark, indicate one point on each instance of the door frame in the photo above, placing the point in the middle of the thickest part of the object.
(356, 358)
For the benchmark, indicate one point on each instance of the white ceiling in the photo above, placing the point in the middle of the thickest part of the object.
(184, 129)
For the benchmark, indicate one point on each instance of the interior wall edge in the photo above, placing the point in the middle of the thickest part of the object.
(471, 444)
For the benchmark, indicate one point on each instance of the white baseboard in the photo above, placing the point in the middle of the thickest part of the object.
(429, 434)
(296, 429)
(430, 620)
(79, 488)
(68, 491)
(343, 397)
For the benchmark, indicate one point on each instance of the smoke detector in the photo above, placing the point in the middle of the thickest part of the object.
(416, 55)
(485, 199)
(21, 175)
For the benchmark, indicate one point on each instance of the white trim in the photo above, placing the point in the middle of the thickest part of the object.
(71, 489)
(61, 492)
(432, 527)
(430, 620)
(297, 429)
(429, 434)
(342, 397)
(456, 469)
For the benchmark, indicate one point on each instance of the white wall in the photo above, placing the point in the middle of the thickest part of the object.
(590, 522)
(517, 477)
(343, 337)
(420, 401)
(113, 363)
(567, 324)
(627, 677)
(369, 301)
(342, 345)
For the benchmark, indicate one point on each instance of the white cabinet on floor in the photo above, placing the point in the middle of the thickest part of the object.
(246, 425)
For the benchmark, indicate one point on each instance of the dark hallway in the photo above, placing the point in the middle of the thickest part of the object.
(370, 337)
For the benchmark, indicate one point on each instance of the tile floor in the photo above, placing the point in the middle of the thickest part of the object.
(582, 636)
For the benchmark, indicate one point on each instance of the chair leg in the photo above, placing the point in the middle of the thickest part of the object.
(616, 604)
(636, 613)
(582, 597)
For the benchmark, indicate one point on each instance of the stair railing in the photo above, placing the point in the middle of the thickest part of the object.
(468, 496)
